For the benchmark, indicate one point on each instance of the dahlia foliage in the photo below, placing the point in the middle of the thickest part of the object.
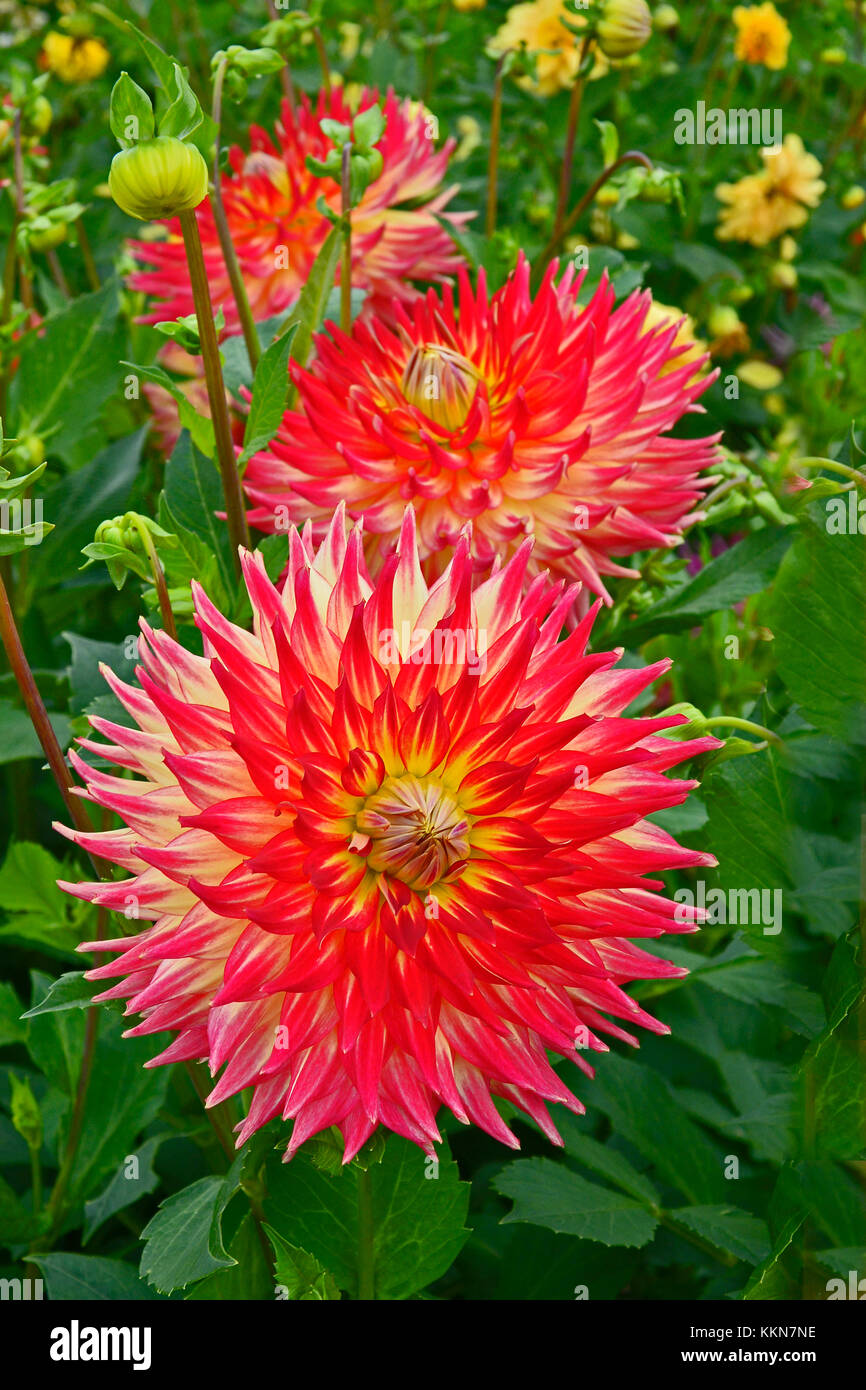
(277, 229)
(392, 842)
(524, 415)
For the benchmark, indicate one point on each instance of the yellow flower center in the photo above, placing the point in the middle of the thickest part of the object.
(413, 830)
(440, 382)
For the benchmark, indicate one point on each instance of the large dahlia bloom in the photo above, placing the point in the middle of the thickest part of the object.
(392, 844)
(524, 416)
(277, 229)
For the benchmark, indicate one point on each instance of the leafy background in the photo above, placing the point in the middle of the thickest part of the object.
(724, 1160)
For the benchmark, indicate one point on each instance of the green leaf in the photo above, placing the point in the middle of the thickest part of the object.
(86, 682)
(183, 1242)
(79, 501)
(36, 910)
(418, 1221)
(131, 1181)
(69, 370)
(70, 1278)
(200, 426)
(270, 390)
(607, 1162)
(704, 262)
(368, 127)
(18, 738)
(194, 496)
(184, 115)
(609, 141)
(249, 1279)
(299, 1273)
(771, 1279)
(643, 1109)
(741, 571)
(549, 1194)
(12, 1030)
(131, 112)
(727, 1228)
(123, 1098)
(309, 310)
(816, 616)
(70, 991)
(17, 1224)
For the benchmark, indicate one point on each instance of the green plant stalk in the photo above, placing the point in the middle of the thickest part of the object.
(36, 1177)
(570, 138)
(366, 1233)
(35, 707)
(346, 261)
(236, 279)
(730, 721)
(158, 580)
(630, 157)
(493, 154)
(239, 533)
(323, 60)
(87, 255)
(285, 71)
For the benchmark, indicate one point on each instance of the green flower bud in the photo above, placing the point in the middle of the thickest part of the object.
(623, 27)
(39, 116)
(665, 18)
(158, 178)
(47, 237)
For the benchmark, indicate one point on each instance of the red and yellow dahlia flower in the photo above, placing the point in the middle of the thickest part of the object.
(392, 844)
(524, 416)
(270, 200)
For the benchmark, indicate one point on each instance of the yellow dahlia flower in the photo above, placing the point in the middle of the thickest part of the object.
(74, 59)
(761, 207)
(762, 35)
(540, 27)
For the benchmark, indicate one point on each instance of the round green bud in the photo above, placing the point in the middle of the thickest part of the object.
(30, 450)
(665, 18)
(623, 27)
(46, 238)
(39, 116)
(158, 178)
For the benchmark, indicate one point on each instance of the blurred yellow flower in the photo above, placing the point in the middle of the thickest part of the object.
(762, 376)
(539, 27)
(763, 206)
(74, 60)
(464, 5)
(762, 35)
(469, 131)
(350, 39)
(728, 333)
(692, 349)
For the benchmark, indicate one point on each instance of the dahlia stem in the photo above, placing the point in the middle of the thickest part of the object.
(366, 1234)
(56, 268)
(493, 156)
(630, 157)
(323, 60)
(87, 255)
(730, 721)
(833, 466)
(236, 279)
(285, 72)
(76, 1123)
(237, 518)
(158, 579)
(346, 263)
(570, 138)
(42, 724)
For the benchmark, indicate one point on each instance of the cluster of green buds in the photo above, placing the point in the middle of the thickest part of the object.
(26, 98)
(51, 209)
(184, 331)
(289, 34)
(240, 64)
(159, 171)
(360, 138)
(127, 544)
